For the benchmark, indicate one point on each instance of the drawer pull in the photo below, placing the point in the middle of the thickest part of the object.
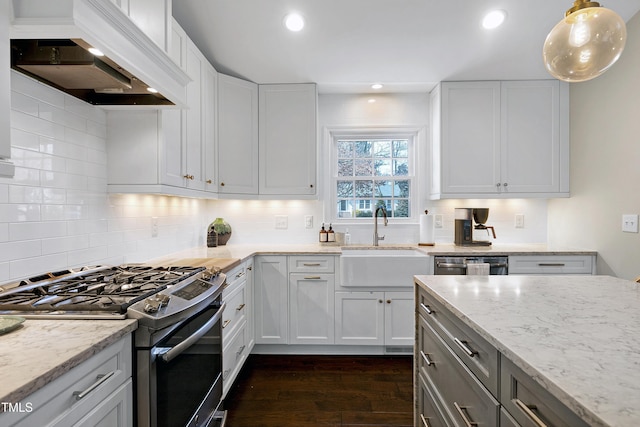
(240, 350)
(100, 379)
(528, 411)
(463, 414)
(425, 423)
(312, 278)
(240, 307)
(551, 264)
(226, 323)
(239, 274)
(463, 345)
(426, 308)
(426, 359)
(315, 264)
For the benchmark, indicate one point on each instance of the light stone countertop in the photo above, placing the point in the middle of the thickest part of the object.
(577, 336)
(42, 350)
(243, 252)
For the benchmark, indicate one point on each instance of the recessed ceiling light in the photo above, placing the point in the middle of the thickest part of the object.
(371, 100)
(376, 86)
(96, 52)
(294, 22)
(494, 19)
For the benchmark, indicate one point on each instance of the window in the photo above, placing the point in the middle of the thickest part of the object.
(372, 172)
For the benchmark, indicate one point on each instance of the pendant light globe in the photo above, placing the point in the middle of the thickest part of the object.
(586, 43)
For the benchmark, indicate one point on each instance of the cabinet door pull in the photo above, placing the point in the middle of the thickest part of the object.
(462, 410)
(240, 307)
(240, 350)
(100, 379)
(226, 323)
(312, 278)
(463, 345)
(528, 411)
(425, 423)
(426, 308)
(426, 359)
(551, 264)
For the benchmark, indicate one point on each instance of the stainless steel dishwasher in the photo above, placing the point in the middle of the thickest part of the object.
(457, 265)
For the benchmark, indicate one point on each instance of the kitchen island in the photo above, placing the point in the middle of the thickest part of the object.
(576, 338)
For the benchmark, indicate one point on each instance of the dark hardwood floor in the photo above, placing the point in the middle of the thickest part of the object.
(311, 391)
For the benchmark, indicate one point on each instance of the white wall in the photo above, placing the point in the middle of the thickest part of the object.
(605, 165)
(56, 213)
(413, 110)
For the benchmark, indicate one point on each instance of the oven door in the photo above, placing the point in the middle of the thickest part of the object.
(185, 374)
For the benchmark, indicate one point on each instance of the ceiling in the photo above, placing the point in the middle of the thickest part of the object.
(407, 45)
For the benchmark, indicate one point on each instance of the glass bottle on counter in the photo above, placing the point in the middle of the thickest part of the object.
(324, 236)
(331, 235)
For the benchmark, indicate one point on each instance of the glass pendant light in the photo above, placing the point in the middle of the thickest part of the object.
(588, 41)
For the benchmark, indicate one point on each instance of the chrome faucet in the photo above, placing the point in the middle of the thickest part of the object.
(377, 238)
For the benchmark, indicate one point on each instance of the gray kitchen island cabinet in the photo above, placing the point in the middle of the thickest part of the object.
(526, 351)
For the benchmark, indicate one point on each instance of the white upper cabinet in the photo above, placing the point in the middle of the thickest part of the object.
(237, 136)
(288, 137)
(168, 151)
(7, 168)
(153, 17)
(500, 139)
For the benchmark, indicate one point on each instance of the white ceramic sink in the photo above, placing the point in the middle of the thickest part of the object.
(378, 267)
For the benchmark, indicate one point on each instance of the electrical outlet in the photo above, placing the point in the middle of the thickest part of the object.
(282, 222)
(519, 220)
(308, 221)
(438, 221)
(630, 223)
(154, 226)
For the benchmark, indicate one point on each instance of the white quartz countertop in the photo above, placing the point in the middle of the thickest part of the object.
(577, 336)
(42, 350)
(243, 252)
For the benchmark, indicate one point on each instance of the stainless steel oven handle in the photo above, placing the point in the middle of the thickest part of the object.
(170, 353)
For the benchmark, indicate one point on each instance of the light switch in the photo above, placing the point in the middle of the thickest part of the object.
(282, 222)
(630, 223)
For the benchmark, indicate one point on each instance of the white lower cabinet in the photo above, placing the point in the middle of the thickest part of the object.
(374, 318)
(98, 392)
(271, 299)
(311, 299)
(237, 322)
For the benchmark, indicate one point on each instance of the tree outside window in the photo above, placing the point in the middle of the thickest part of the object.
(373, 173)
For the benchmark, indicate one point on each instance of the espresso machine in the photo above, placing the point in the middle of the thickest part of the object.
(465, 227)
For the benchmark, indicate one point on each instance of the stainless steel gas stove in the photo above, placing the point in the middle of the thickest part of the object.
(178, 343)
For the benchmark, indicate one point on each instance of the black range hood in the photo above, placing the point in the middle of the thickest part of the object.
(67, 65)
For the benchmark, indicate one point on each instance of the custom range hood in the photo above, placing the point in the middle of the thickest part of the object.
(69, 66)
(50, 41)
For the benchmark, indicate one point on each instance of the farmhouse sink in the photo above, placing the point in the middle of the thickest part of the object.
(381, 267)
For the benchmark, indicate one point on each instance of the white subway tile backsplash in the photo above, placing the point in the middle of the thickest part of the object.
(10, 212)
(11, 251)
(31, 266)
(34, 124)
(24, 104)
(24, 139)
(65, 244)
(25, 194)
(20, 231)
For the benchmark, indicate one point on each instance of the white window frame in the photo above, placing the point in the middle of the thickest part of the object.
(416, 137)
